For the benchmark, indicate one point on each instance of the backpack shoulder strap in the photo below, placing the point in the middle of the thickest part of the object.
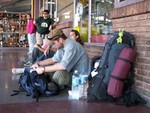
(104, 59)
(15, 92)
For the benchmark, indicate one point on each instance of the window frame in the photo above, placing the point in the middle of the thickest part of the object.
(118, 4)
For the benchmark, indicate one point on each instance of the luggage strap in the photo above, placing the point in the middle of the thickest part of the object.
(124, 59)
(117, 78)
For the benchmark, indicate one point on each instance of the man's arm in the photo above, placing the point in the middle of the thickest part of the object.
(53, 26)
(34, 22)
(55, 67)
(45, 62)
(51, 68)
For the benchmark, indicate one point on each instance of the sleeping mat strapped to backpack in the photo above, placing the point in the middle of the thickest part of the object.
(120, 72)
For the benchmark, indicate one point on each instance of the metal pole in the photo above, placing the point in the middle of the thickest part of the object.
(89, 21)
(74, 13)
(46, 4)
(56, 8)
(51, 9)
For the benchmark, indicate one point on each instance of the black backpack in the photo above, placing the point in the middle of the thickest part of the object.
(98, 84)
(34, 85)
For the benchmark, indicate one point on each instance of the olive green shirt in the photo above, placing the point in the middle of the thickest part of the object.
(43, 25)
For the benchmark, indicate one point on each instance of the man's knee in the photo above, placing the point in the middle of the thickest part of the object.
(61, 77)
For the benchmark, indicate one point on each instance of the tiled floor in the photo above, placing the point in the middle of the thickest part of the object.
(13, 57)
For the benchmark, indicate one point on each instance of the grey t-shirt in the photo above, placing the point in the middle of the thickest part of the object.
(73, 57)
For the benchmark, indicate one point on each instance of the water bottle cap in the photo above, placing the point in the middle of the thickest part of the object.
(76, 71)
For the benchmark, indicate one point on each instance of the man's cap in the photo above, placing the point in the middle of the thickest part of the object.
(54, 34)
(46, 11)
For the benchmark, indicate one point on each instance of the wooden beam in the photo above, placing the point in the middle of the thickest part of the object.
(32, 8)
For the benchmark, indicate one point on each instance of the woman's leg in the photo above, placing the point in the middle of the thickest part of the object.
(31, 41)
(43, 57)
(36, 54)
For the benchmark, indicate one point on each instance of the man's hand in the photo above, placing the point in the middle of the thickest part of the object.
(34, 66)
(40, 70)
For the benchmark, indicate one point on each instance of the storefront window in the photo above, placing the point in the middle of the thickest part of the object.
(101, 24)
(81, 18)
(92, 19)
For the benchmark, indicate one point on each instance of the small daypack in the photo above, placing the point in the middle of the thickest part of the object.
(101, 78)
(34, 85)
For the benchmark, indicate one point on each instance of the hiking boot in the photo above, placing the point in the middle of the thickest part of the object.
(17, 70)
(61, 87)
(53, 87)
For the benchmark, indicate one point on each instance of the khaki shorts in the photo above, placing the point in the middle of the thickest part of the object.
(62, 77)
(41, 39)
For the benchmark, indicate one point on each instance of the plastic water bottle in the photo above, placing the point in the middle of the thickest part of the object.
(75, 85)
(83, 86)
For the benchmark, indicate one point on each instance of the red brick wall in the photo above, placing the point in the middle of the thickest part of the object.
(93, 49)
(66, 24)
(136, 19)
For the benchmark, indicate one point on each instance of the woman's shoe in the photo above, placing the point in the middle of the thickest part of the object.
(17, 70)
